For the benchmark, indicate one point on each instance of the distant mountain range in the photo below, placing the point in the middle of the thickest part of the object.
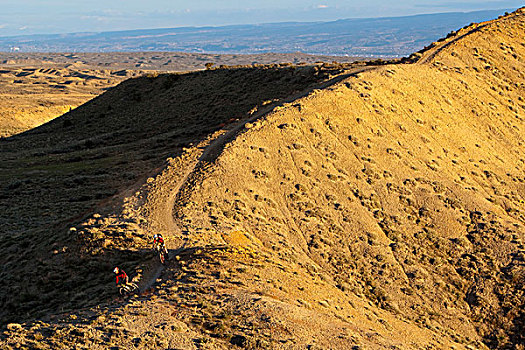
(368, 37)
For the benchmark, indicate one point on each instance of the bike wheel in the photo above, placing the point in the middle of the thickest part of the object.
(128, 289)
(162, 257)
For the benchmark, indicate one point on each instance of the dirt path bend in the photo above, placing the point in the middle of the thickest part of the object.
(160, 193)
(213, 149)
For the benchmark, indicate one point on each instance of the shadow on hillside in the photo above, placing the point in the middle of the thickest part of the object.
(68, 281)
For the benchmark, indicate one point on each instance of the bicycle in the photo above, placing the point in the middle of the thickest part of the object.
(128, 288)
(163, 253)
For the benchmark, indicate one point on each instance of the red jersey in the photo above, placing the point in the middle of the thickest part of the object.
(121, 276)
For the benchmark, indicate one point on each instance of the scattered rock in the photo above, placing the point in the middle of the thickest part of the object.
(14, 327)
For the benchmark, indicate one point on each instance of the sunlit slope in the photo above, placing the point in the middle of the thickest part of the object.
(32, 96)
(404, 186)
(16, 120)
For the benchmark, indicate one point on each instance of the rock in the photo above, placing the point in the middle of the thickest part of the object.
(14, 326)
(304, 303)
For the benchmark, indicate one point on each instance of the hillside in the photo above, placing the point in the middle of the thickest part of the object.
(90, 159)
(362, 37)
(156, 61)
(38, 87)
(345, 207)
(34, 94)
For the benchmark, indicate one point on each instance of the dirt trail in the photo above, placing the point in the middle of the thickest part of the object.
(168, 185)
(215, 146)
(430, 54)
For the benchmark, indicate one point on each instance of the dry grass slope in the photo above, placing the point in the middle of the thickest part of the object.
(38, 87)
(384, 211)
(403, 186)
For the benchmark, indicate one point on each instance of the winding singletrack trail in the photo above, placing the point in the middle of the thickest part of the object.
(162, 192)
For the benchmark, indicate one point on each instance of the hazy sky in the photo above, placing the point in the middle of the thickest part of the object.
(61, 16)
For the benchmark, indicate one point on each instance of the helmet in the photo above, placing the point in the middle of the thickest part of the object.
(155, 236)
(115, 270)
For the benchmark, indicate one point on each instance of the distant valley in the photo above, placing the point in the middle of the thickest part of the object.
(368, 37)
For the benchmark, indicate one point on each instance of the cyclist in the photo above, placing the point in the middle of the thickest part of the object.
(158, 243)
(122, 277)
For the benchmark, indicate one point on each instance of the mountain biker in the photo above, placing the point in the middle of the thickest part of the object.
(158, 241)
(122, 277)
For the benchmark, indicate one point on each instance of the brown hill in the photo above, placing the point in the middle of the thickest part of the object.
(33, 95)
(383, 209)
(55, 175)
